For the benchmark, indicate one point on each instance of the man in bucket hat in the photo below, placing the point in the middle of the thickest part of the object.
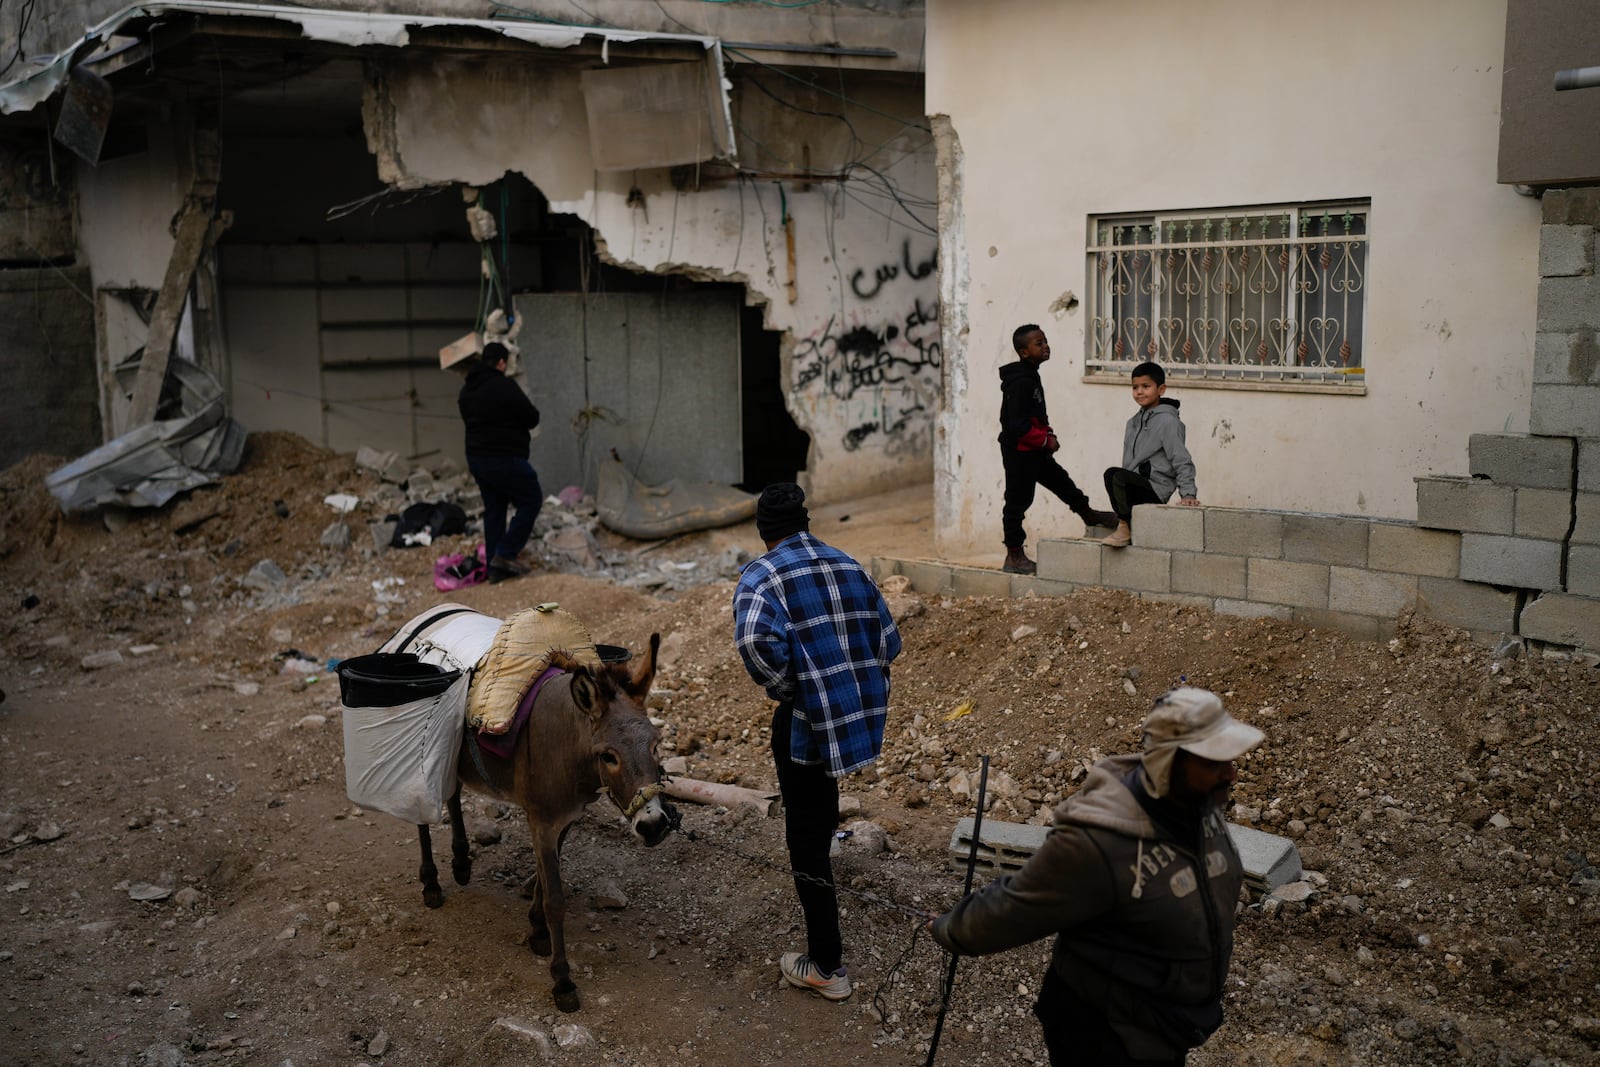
(1138, 880)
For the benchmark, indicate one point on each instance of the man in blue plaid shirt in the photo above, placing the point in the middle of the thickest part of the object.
(814, 632)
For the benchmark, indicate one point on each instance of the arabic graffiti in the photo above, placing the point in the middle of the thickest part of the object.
(847, 360)
(890, 271)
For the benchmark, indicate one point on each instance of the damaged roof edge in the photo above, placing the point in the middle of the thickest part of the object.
(354, 28)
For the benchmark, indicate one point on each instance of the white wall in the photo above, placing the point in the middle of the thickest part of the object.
(1067, 110)
(861, 350)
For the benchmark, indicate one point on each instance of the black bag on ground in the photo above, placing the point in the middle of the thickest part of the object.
(438, 519)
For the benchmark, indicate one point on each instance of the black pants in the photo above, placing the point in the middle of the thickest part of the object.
(1076, 1035)
(1024, 471)
(810, 817)
(1127, 489)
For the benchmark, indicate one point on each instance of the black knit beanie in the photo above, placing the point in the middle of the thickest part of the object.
(781, 511)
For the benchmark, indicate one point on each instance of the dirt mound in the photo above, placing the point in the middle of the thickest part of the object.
(1444, 799)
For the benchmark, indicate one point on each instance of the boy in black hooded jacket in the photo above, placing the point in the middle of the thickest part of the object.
(1028, 446)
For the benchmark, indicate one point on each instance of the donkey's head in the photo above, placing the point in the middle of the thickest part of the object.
(626, 743)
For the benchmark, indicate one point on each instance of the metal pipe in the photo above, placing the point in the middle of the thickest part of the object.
(1578, 78)
(814, 49)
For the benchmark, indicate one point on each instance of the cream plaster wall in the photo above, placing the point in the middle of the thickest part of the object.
(861, 344)
(1067, 110)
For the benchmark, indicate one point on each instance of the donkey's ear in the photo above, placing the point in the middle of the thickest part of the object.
(585, 693)
(645, 673)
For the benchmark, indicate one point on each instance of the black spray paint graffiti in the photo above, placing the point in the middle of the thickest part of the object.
(849, 360)
(890, 271)
(891, 429)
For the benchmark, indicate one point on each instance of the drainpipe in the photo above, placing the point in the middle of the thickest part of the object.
(1577, 78)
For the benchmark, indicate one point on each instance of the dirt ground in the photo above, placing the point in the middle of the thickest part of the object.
(185, 882)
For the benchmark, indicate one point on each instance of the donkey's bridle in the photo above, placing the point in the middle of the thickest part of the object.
(644, 796)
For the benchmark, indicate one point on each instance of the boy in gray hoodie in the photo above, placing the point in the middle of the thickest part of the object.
(1155, 459)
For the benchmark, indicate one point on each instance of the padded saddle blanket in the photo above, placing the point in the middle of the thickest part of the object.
(504, 657)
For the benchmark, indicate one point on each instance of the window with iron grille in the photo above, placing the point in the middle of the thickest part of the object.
(1264, 297)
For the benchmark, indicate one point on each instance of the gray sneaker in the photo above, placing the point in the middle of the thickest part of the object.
(800, 972)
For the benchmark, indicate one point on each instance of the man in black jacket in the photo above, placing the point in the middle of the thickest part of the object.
(1137, 880)
(499, 416)
(1028, 446)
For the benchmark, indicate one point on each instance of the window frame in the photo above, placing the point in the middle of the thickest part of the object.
(1306, 360)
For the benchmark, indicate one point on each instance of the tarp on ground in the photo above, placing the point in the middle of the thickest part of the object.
(149, 465)
(629, 507)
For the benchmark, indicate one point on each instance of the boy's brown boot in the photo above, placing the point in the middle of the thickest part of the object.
(1017, 562)
(1122, 537)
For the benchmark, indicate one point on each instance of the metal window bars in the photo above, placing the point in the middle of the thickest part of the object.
(1267, 295)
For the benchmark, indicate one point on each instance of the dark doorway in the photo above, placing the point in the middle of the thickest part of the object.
(774, 447)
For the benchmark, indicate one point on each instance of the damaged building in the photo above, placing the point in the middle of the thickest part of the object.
(713, 223)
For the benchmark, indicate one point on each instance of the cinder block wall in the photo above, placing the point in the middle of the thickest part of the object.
(1514, 549)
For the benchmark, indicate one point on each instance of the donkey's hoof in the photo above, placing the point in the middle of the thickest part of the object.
(566, 998)
(462, 872)
(433, 897)
(539, 942)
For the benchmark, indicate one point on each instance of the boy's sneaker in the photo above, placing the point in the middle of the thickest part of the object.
(800, 972)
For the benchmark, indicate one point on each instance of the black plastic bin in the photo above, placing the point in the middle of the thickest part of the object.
(389, 679)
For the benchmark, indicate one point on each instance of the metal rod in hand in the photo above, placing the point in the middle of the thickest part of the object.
(1578, 78)
(955, 957)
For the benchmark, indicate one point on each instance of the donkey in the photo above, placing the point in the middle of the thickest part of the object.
(587, 733)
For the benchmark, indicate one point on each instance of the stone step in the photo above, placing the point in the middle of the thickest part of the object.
(1269, 860)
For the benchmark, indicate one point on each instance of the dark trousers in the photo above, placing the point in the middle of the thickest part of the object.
(810, 817)
(1025, 471)
(1127, 489)
(1076, 1035)
(504, 482)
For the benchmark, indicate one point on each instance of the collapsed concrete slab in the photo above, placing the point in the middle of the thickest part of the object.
(1003, 847)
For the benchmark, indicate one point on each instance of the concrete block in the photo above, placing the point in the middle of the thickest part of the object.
(1024, 584)
(1568, 304)
(1565, 410)
(1583, 570)
(1586, 530)
(926, 577)
(1249, 609)
(1363, 592)
(1269, 860)
(1521, 562)
(1566, 250)
(1578, 204)
(1589, 465)
(1543, 513)
(1003, 847)
(979, 581)
(1141, 569)
(1465, 504)
(1361, 627)
(1325, 539)
(1299, 585)
(1235, 532)
(884, 567)
(1567, 358)
(1409, 549)
(1521, 460)
(1171, 526)
(1467, 604)
(1563, 619)
(1070, 561)
(1197, 572)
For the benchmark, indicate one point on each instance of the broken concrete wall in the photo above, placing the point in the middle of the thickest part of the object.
(47, 363)
(845, 269)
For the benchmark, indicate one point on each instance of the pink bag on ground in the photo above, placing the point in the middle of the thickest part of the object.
(455, 571)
